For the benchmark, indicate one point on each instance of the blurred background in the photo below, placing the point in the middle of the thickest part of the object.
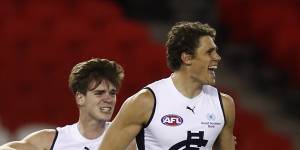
(41, 40)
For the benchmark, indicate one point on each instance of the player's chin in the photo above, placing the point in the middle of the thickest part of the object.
(211, 79)
(211, 82)
(105, 117)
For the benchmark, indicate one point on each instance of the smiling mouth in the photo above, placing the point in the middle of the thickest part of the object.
(106, 109)
(212, 70)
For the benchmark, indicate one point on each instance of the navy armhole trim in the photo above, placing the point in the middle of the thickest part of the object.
(221, 103)
(140, 140)
(153, 109)
(54, 140)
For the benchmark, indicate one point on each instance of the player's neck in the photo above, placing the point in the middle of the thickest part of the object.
(90, 129)
(185, 85)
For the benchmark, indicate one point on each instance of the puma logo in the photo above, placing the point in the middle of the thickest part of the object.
(191, 109)
(86, 148)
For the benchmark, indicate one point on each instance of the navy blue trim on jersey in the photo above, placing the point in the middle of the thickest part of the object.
(221, 103)
(54, 140)
(153, 109)
(140, 140)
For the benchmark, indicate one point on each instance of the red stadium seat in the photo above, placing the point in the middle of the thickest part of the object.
(236, 22)
(39, 11)
(7, 10)
(70, 30)
(266, 18)
(266, 140)
(127, 33)
(98, 14)
(286, 47)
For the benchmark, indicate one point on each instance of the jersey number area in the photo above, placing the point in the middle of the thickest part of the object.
(193, 142)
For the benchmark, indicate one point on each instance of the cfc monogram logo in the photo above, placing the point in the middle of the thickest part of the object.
(193, 142)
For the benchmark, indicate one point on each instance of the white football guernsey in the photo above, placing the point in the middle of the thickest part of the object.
(69, 138)
(181, 123)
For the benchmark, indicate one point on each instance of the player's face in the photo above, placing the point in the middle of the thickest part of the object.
(100, 101)
(205, 61)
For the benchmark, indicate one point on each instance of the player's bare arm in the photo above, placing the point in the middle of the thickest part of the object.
(134, 113)
(226, 139)
(132, 146)
(40, 140)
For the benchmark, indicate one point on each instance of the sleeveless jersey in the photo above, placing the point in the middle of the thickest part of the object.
(69, 138)
(178, 122)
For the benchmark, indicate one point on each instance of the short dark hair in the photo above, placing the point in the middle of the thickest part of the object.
(184, 37)
(84, 73)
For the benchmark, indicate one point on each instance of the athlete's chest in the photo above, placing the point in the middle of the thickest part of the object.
(67, 139)
(71, 145)
(178, 125)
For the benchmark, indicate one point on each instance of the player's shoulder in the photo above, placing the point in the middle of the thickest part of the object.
(44, 138)
(227, 100)
(229, 109)
(144, 96)
(48, 132)
(140, 104)
(45, 135)
(159, 85)
(41, 139)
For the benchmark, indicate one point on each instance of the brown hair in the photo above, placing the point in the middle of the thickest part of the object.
(184, 37)
(84, 73)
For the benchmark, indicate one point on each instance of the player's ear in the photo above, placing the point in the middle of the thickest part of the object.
(186, 58)
(79, 98)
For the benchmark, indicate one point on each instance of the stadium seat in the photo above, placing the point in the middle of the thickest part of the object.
(266, 18)
(98, 14)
